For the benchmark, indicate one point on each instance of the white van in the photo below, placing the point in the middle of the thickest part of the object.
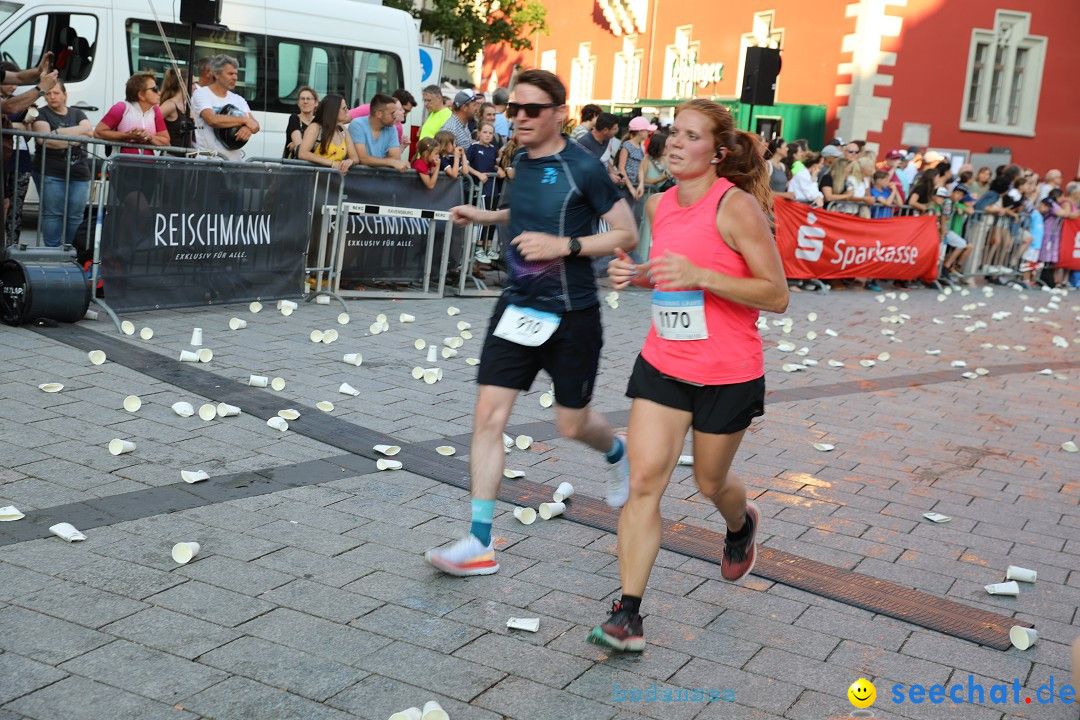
(348, 47)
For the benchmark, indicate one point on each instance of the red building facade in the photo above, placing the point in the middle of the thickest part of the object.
(961, 75)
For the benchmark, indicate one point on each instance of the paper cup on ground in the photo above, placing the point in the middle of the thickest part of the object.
(10, 513)
(1021, 574)
(417, 373)
(196, 337)
(132, 403)
(448, 352)
(451, 311)
(432, 354)
(472, 361)
(258, 380)
(322, 300)
(552, 509)
(227, 410)
(406, 318)
(287, 306)
(237, 324)
(466, 335)
(277, 384)
(525, 515)
(329, 336)
(524, 442)
(446, 450)
(50, 387)
(384, 464)
(316, 336)
(289, 414)
(431, 376)
(528, 624)
(347, 389)
(278, 423)
(146, 333)
(66, 531)
(564, 491)
(354, 359)
(462, 325)
(183, 409)
(434, 711)
(189, 356)
(121, 447)
(183, 552)
(419, 344)
(1022, 637)
(1005, 588)
(205, 355)
(325, 405)
(343, 318)
(207, 412)
(513, 474)
(90, 315)
(96, 357)
(413, 713)
(194, 476)
(389, 450)
(375, 328)
(547, 400)
(127, 327)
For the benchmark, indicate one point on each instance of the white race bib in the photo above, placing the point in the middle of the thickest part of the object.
(679, 315)
(526, 326)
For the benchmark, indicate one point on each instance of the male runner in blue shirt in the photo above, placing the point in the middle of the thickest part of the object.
(548, 316)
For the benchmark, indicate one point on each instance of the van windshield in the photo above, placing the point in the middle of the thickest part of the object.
(7, 9)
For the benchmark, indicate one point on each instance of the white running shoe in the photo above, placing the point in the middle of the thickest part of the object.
(468, 556)
(618, 489)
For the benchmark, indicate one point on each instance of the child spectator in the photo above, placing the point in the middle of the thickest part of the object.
(1029, 265)
(954, 230)
(426, 163)
(506, 157)
(481, 157)
(885, 196)
(451, 157)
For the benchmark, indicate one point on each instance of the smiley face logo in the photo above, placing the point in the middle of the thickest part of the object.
(862, 693)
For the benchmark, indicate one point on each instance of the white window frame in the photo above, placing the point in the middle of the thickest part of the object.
(1010, 33)
(549, 60)
(626, 72)
(582, 75)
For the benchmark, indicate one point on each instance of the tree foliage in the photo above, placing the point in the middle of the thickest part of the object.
(472, 24)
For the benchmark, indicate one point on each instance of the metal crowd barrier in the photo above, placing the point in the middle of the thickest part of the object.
(326, 203)
(474, 244)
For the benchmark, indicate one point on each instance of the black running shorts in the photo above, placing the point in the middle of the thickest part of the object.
(571, 356)
(716, 409)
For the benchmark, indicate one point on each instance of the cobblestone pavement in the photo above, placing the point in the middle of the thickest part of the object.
(315, 601)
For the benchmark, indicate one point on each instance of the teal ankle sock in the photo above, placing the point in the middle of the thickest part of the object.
(615, 454)
(483, 511)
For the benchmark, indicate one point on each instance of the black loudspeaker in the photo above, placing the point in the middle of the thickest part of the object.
(200, 12)
(759, 76)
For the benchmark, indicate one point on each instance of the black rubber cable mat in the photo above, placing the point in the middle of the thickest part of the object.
(878, 596)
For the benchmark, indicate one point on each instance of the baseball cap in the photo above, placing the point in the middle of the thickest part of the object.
(894, 155)
(831, 151)
(837, 141)
(640, 123)
(942, 192)
(960, 187)
(932, 156)
(464, 97)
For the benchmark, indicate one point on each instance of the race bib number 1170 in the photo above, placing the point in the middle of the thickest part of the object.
(679, 315)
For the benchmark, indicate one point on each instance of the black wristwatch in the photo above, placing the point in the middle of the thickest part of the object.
(575, 247)
(40, 92)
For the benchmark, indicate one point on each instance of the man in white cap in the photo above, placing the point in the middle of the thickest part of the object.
(464, 108)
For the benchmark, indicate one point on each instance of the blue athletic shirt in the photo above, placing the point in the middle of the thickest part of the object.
(564, 194)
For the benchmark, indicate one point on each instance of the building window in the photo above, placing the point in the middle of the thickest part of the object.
(582, 70)
(627, 72)
(1004, 77)
(547, 60)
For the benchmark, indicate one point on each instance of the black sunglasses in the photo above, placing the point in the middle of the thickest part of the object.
(532, 110)
(152, 89)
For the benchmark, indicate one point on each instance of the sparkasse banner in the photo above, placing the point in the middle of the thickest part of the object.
(182, 233)
(1069, 250)
(815, 243)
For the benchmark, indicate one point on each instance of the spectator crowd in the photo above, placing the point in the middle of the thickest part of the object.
(1011, 217)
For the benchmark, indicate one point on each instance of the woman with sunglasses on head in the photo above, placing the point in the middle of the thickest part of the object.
(548, 317)
(137, 119)
(712, 268)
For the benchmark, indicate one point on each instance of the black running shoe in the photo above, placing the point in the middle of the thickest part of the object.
(622, 631)
(738, 559)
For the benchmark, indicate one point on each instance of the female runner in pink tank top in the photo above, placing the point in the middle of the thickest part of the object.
(712, 267)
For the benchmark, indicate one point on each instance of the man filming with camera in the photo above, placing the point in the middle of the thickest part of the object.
(223, 120)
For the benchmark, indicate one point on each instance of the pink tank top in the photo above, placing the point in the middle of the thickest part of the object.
(732, 351)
